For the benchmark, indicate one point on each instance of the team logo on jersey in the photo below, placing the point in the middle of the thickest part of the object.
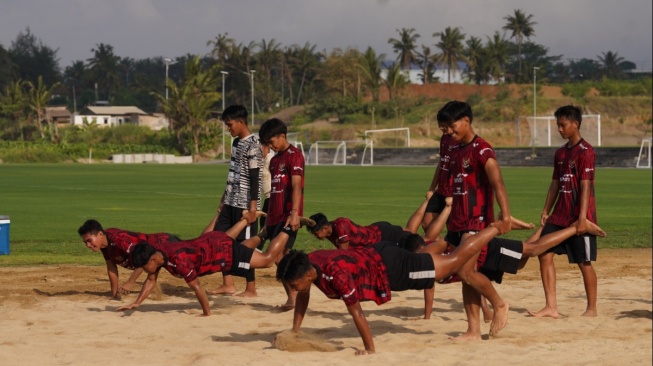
(465, 163)
(282, 166)
(572, 164)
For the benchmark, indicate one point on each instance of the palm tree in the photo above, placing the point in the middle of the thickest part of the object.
(497, 56)
(521, 26)
(427, 61)
(451, 47)
(370, 66)
(405, 46)
(610, 62)
(305, 61)
(394, 80)
(221, 47)
(473, 53)
(38, 97)
(104, 67)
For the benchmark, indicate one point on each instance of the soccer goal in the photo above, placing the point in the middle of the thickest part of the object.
(389, 137)
(341, 152)
(644, 157)
(543, 131)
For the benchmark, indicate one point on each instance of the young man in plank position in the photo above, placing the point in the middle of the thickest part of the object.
(116, 245)
(370, 273)
(209, 253)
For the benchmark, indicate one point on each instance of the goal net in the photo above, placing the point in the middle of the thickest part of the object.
(335, 152)
(644, 157)
(543, 131)
(389, 137)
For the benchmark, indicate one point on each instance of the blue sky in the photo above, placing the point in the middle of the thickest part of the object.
(170, 28)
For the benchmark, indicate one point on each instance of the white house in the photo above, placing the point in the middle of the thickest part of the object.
(107, 116)
(414, 74)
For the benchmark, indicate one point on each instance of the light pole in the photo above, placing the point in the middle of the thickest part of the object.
(168, 62)
(251, 73)
(534, 104)
(224, 73)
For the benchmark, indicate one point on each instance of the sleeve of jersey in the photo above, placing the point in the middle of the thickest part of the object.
(586, 165)
(341, 228)
(485, 153)
(343, 284)
(297, 164)
(185, 269)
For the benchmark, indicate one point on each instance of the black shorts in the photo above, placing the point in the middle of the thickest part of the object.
(579, 249)
(454, 237)
(261, 222)
(503, 255)
(406, 270)
(273, 231)
(436, 203)
(229, 216)
(390, 232)
(242, 256)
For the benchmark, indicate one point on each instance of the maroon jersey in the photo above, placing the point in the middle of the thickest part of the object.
(473, 196)
(571, 165)
(344, 230)
(121, 242)
(447, 148)
(352, 275)
(283, 166)
(209, 253)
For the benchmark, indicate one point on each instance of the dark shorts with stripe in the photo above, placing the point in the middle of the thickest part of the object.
(389, 232)
(229, 216)
(242, 255)
(503, 255)
(406, 270)
(579, 249)
(436, 203)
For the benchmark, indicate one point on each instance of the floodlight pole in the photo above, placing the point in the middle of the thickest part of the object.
(224, 73)
(168, 62)
(251, 73)
(534, 105)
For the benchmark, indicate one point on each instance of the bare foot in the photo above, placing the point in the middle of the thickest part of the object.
(590, 313)
(247, 293)
(223, 290)
(594, 229)
(545, 313)
(517, 224)
(465, 337)
(500, 319)
(285, 307)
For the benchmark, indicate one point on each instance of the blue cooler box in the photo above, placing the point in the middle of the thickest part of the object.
(4, 235)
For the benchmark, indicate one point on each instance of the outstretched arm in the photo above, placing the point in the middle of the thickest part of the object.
(363, 328)
(496, 180)
(124, 288)
(428, 302)
(581, 224)
(201, 296)
(551, 196)
(112, 272)
(148, 286)
(301, 304)
(293, 219)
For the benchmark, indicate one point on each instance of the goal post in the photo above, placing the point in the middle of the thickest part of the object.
(543, 131)
(389, 137)
(334, 152)
(644, 157)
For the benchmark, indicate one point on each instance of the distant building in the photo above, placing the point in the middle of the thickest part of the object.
(109, 116)
(58, 114)
(440, 74)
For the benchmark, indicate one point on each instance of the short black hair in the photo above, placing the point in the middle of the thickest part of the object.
(91, 226)
(411, 242)
(141, 254)
(569, 112)
(293, 266)
(453, 111)
(320, 222)
(235, 112)
(270, 128)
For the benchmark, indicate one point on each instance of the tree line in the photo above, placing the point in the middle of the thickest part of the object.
(281, 75)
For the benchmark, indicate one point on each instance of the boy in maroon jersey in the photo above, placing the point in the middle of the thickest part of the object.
(476, 181)
(209, 253)
(572, 192)
(440, 189)
(370, 273)
(116, 245)
(287, 193)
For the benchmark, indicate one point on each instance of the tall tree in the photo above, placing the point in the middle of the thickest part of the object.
(427, 62)
(473, 53)
(497, 55)
(394, 80)
(405, 46)
(305, 62)
(104, 69)
(610, 62)
(520, 25)
(13, 104)
(222, 44)
(7, 68)
(451, 49)
(33, 58)
(370, 66)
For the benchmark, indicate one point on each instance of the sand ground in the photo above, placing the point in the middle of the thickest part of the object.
(61, 315)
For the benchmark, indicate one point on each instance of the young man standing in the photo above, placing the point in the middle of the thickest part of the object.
(440, 188)
(477, 181)
(572, 192)
(243, 189)
(287, 193)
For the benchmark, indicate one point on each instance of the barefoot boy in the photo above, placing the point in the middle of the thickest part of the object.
(571, 195)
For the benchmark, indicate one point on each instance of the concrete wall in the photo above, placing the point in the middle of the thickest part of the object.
(150, 158)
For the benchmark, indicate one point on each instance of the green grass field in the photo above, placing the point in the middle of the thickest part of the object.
(48, 202)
